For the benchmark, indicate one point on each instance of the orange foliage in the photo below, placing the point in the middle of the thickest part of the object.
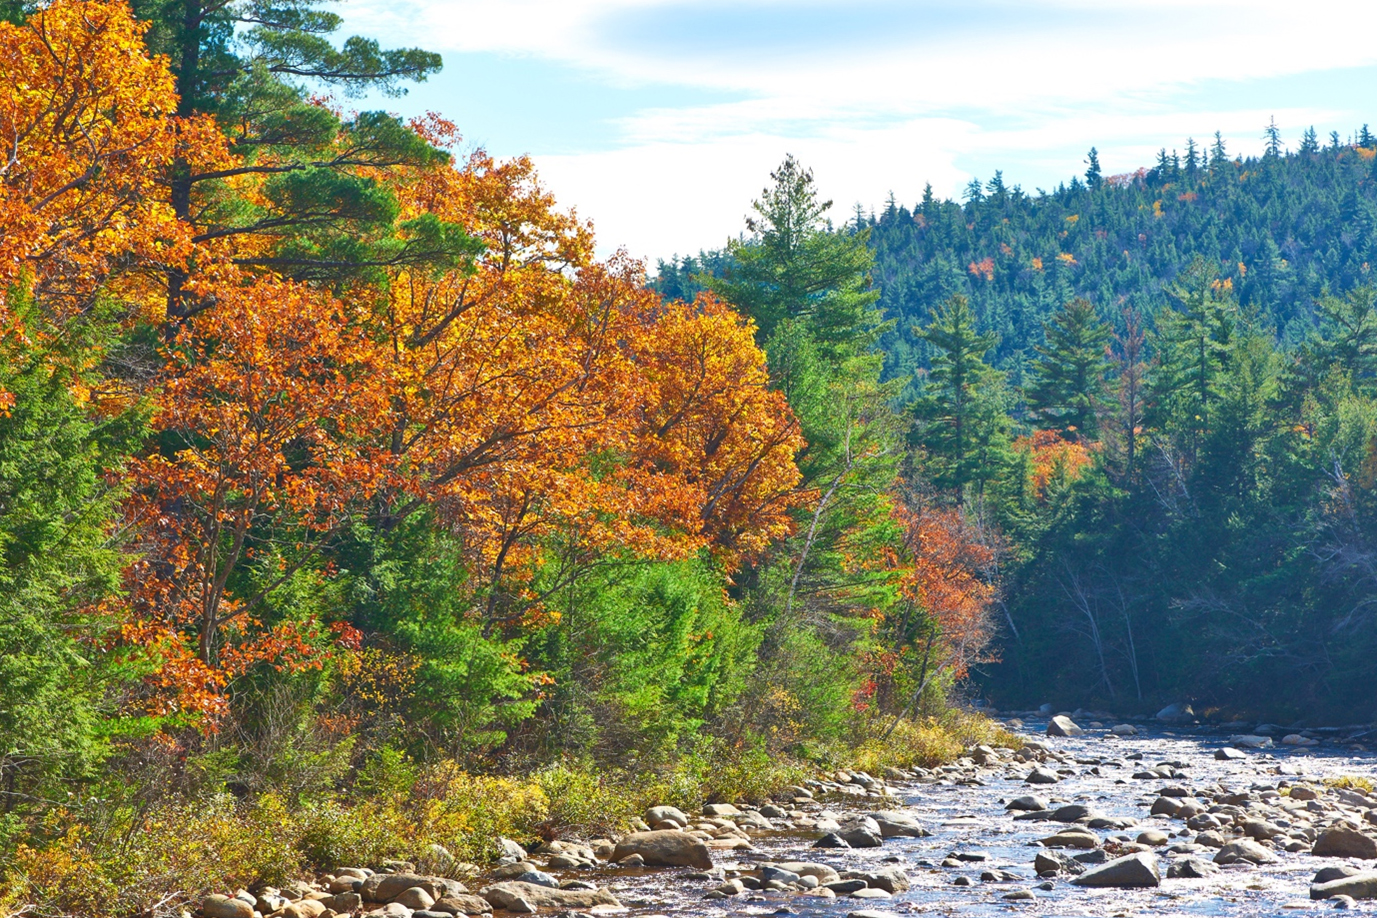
(944, 572)
(982, 268)
(86, 132)
(546, 407)
(1054, 458)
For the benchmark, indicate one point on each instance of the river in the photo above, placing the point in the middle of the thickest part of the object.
(964, 809)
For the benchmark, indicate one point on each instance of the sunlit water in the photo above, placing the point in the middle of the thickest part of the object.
(973, 818)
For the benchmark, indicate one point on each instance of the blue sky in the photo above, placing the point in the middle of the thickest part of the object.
(661, 119)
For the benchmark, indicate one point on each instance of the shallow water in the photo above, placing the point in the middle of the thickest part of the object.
(967, 817)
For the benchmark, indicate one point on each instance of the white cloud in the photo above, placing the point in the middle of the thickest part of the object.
(881, 108)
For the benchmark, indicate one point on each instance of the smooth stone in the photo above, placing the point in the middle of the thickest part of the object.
(1244, 849)
(1191, 868)
(1229, 753)
(1028, 804)
(1061, 725)
(665, 849)
(463, 905)
(1358, 886)
(501, 895)
(1342, 841)
(1133, 871)
(225, 907)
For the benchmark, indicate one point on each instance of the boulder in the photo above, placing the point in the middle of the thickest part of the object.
(1325, 874)
(660, 813)
(1251, 741)
(384, 887)
(1061, 725)
(890, 879)
(831, 840)
(1056, 862)
(1124, 730)
(1071, 838)
(1342, 841)
(503, 895)
(308, 908)
(1176, 713)
(511, 849)
(861, 832)
(1136, 870)
(415, 899)
(665, 849)
(721, 810)
(1041, 775)
(1071, 812)
(464, 904)
(225, 907)
(1229, 753)
(898, 824)
(1153, 837)
(1165, 806)
(821, 872)
(344, 903)
(1358, 886)
(1244, 850)
(1191, 868)
(1029, 803)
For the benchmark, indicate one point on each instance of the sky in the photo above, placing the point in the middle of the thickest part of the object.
(660, 120)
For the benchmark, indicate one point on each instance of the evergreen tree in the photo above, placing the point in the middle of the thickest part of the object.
(794, 268)
(962, 422)
(1093, 178)
(1068, 387)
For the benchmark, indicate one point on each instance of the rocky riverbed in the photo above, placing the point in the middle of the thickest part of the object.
(1106, 819)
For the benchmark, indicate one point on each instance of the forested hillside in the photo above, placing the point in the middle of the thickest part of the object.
(352, 510)
(1155, 394)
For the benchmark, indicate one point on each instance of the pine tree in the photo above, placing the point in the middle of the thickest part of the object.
(795, 268)
(1068, 388)
(962, 419)
(1272, 135)
(1093, 176)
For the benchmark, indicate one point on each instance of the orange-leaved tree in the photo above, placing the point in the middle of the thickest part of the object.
(943, 623)
(266, 420)
(87, 132)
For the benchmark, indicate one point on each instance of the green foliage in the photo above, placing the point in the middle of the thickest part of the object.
(962, 414)
(60, 557)
(1068, 390)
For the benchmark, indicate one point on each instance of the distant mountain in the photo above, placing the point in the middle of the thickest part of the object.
(1282, 228)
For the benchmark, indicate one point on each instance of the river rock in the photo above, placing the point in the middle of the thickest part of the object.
(1245, 850)
(502, 895)
(1061, 725)
(1041, 775)
(511, 849)
(657, 814)
(1124, 730)
(1153, 837)
(462, 905)
(1135, 870)
(1165, 806)
(821, 872)
(1071, 838)
(1071, 812)
(384, 887)
(1179, 712)
(415, 899)
(831, 840)
(1029, 803)
(721, 810)
(890, 879)
(870, 892)
(1049, 862)
(665, 848)
(861, 832)
(1342, 841)
(1229, 753)
(1191, 868)
(1251, 741)
(1325, 874)
(1358, 886)
(225, 907)
(898, 824)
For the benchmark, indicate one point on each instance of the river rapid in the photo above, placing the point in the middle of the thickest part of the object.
(963, 806)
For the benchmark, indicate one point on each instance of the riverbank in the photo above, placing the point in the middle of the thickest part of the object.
(1129, 822)
(114, 858)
